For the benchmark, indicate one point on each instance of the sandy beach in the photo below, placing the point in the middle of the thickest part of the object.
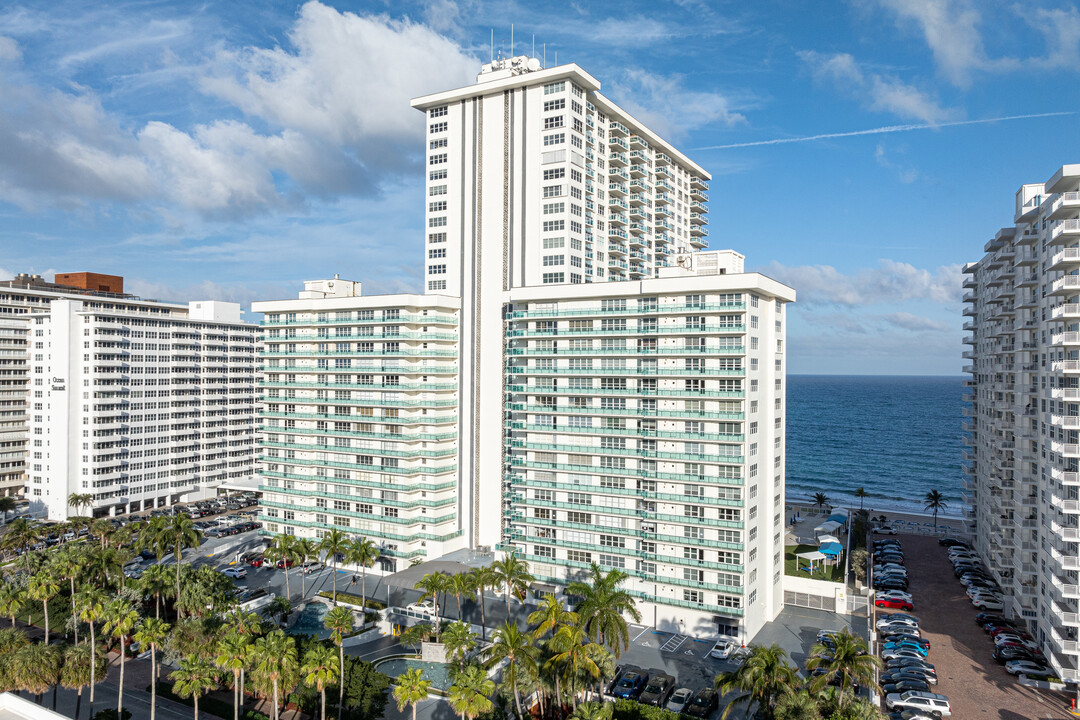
(905, 523)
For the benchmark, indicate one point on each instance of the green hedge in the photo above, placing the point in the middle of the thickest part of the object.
(633, 710)
(208, 704)
(353, 600)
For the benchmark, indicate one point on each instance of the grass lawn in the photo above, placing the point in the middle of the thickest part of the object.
(835, 573)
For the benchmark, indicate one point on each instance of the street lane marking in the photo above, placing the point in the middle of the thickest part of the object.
(640, 634)
(674, 643)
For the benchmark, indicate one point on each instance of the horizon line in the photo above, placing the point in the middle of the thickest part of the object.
(885, 129)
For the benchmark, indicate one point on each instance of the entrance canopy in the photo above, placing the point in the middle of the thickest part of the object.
(831, 548)
(828, 539)
(826, 527)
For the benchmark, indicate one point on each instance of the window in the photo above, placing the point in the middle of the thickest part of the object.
(555, 87)
(437, 222)
(437, 174)
(437, 206)
(438, 127)
(436, 238)
(554, 208)
(437, 159)
(554, 139)
(436, 144)
(437, 270)
(551, 191)
(551, 105)
(550, 260)
(552, 225)
(550, 123)
(555, 174)
(549, 278)
(437, 253)
(437, 190)
(578, 556)
(693, 596)
(553, 243)
(437, 112)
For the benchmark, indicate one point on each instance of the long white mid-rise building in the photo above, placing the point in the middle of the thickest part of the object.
(604, 393)
(1022, 461)
(139, 404)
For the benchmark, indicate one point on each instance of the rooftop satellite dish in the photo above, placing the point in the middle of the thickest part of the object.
(534, 64)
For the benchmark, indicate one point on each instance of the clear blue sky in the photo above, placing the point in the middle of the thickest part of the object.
(233, 149)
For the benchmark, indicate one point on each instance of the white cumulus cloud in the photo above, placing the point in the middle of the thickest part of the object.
(889, 282)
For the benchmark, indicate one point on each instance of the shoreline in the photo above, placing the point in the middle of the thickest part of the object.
(808, 503)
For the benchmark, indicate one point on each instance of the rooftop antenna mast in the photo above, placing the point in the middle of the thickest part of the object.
(545, 54)
(511, 39)
(492, 44)
(533, 54)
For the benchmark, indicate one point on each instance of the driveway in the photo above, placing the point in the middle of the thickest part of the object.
(976, 685)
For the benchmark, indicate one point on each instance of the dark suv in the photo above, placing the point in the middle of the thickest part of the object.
(702, 704)
(631, 684)
(658, 690)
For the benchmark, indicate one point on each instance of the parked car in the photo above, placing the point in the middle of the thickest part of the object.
(890, 602)
(903, 652)
(631, 684)
(679, 698)
(1026, 667)
(904, 685)
(702, 704)
(235, 572)
(310, 564)
(722, 649)
(424, 607)
(909, 673)
(619, 670)
(885, 530)
(257, 561)
(1005, 654)
(658, 690)
(283, 563)
(984, 603)
(933, 703)
(948, 541)
(897, 594)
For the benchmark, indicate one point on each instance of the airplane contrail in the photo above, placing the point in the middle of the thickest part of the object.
(883, 130)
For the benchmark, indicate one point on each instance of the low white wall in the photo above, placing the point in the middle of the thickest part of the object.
(822, 588)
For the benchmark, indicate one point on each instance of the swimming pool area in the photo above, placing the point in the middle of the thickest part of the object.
(436, 673)
(310, 621)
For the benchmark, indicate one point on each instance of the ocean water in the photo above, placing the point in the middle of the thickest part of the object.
(896, 436)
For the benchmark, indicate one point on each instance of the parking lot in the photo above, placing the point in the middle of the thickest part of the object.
(976, 685)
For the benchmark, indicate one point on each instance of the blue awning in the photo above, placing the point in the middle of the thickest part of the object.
(831, 548)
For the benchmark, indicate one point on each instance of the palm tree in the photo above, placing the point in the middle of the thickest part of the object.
(152, 633)
(593, 711)
(509, 643)
(935, 501)
(364, 553)
(156, 581)
(410, 689)
(194, 678)
(604, 606)
(513, 574)
(850, 660)
(91, 604)
(7, 504)
(764, 676)
(318, 670)
(821, 499)
(861, 494)
(275, 660)
(155, 537)
(460, 584)
(482, 577)
(459, 640)
(103, 528)
(339, 621)
(42, 588)
(575, 654)
(432, 585)
(182, 534)
(11, 601)
(470, 691)
(70, 562)
(36, 668)
(283, 550)
(335, 543)
(306, 549)
(797, 706)
(119, 619)
(232, 655)
(77, 673)
(21, 534)
(80, 500)
(550, 616)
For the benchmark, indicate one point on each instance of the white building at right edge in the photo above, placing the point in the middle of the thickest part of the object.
(608, 394)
